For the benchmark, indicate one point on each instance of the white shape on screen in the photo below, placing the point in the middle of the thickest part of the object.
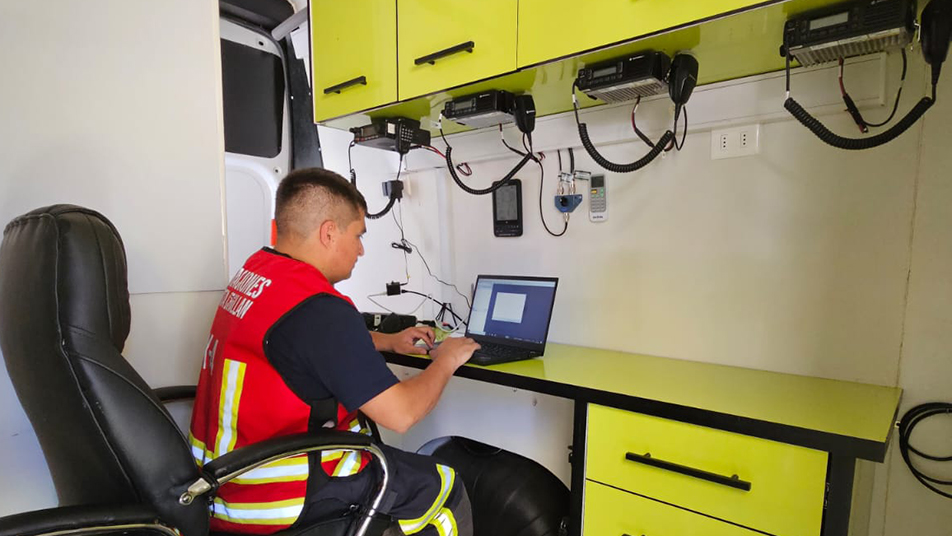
(509, 307)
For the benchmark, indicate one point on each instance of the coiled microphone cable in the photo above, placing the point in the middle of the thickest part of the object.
(906, 425)
(855, 144)
(657, 149)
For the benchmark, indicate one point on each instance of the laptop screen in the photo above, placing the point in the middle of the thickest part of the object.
(513, 308)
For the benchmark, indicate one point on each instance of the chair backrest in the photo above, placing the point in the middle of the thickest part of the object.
(64, 318)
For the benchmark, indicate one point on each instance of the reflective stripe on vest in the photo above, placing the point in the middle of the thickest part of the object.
(231, 386)
(286, 470)
(261, 513)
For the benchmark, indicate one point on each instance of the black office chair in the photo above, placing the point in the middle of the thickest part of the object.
(118, 461)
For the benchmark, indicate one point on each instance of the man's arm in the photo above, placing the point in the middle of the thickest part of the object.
(404, 404)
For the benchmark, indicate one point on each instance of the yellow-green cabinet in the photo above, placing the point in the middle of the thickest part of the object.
(767, 486)
(610, 512)
(551, 29)
(447, 43)
(353, 56)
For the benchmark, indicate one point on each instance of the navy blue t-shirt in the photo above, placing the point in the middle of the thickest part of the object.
(322, 349)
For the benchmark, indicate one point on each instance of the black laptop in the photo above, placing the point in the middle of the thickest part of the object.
(510, 317)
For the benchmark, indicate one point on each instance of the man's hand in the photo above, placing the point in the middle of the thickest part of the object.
(403, 342)
(455, 351)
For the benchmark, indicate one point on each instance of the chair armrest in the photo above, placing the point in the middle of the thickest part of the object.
(175, 393)
(85, 519)
(240, 461)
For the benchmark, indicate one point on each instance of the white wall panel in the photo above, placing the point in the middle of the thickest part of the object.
(926, 365)
(116, 105)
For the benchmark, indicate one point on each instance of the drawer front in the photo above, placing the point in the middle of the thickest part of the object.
(443, 30)
(354, 67)
(553, 28)
(695, 467)
(609, 512)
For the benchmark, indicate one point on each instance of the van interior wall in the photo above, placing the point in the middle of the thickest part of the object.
(116, 106)
(802, 259)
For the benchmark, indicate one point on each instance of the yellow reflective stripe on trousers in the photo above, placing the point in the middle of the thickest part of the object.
(268, 513)
(445, 523)
(287, 470)
(447, 478)
(233, 378)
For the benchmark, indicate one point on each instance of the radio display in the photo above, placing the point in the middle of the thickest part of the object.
(605, 71)
(832, 20)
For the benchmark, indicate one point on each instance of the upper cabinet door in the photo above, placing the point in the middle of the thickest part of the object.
(550, 29)
(353, 57)
(447, 43)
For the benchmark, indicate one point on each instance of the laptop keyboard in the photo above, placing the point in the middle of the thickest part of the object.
(499, 350)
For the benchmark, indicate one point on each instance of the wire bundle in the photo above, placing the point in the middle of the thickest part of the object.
(908, 423)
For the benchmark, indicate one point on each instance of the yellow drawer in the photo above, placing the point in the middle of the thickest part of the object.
(553, 28)
(445, 28)
(354, 57)
(609, 512)
(650, 456)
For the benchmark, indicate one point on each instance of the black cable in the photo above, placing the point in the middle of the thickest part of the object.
(906, 425)
(634, 125)
(851, 106)
(496, 185)
(607, 164)
(854, 144)
(438, 302)
(684, 134)
(504, 142)
(350, 163)
(393, 197)
(541, 213)
(402, 244)
(571, 160)
(425, 264)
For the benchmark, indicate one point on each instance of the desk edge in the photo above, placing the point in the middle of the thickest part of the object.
(837, 444)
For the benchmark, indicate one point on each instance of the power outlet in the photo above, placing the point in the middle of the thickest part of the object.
(735, 142)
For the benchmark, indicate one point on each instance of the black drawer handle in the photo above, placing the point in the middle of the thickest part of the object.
(361, 80)
(729, 481)
(431, 58)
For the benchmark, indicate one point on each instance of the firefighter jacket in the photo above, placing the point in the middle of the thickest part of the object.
(241, 398)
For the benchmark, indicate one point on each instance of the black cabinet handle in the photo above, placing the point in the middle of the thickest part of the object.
(431, 58)
(729, 481)
(361, 80)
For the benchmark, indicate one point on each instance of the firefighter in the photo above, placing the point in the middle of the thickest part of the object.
(288, 353)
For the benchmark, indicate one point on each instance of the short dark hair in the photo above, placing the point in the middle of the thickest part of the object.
(309, 192)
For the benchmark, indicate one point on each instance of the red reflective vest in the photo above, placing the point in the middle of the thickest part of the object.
(242, 399)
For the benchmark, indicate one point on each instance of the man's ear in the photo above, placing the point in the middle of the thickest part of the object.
(327, 232)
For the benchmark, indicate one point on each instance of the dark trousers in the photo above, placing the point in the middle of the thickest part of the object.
(425, 497)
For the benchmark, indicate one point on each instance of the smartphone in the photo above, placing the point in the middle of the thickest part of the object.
(507, 209)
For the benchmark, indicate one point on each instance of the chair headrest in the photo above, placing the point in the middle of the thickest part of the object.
(70, 259)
